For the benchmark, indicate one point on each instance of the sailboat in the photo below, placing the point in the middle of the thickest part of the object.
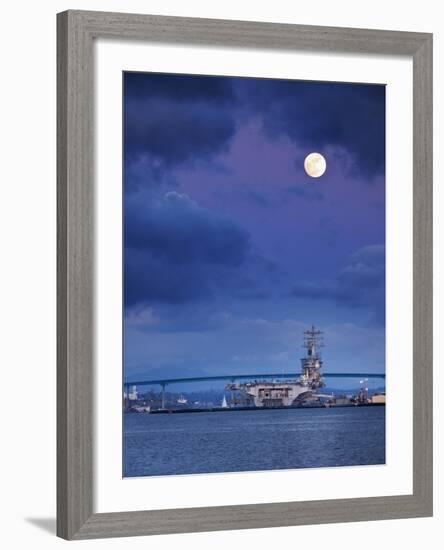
(182, 400)
(224, 403)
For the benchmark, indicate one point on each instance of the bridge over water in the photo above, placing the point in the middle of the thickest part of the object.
(164, 382)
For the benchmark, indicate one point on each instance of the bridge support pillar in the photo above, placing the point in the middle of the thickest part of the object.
(126, 397)
(163, 396)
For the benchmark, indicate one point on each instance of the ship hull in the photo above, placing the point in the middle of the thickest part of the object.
(274, 394)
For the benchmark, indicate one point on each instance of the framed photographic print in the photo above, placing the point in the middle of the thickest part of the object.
(244, 274)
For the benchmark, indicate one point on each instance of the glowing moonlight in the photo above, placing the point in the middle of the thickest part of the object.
(315, 165)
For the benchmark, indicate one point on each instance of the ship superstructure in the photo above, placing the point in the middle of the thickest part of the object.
(311, 364)
(287, 393)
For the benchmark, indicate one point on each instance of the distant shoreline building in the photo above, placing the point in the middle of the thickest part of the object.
(132, 395)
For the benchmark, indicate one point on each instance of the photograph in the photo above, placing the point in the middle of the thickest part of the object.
(253, 274)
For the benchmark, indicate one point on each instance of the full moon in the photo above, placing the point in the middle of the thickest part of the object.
(315, 165)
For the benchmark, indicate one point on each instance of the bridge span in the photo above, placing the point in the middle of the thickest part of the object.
(163, 382)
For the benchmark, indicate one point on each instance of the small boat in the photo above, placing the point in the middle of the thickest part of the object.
(182, 400)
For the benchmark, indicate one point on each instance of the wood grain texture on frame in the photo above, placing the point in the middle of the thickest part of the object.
(76, 31)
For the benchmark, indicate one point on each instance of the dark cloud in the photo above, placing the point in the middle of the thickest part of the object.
(316, 115)
(149, 279)
(178, 229)
(177, 251)
(360, 284)
(178, 87)
(173, 134)
(171, 120)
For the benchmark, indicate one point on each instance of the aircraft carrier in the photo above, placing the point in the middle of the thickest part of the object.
(289, 393)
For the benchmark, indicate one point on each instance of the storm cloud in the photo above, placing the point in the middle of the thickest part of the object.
(177, 251)
(360, 284)
(170, 121)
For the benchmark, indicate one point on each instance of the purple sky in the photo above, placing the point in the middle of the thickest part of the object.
(231, 250)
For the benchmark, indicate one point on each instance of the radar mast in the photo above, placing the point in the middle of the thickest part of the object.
(311, 364)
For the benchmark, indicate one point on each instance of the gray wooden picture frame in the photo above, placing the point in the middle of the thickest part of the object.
(76, 32)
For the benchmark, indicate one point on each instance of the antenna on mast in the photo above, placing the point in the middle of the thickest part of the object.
(312, 363)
